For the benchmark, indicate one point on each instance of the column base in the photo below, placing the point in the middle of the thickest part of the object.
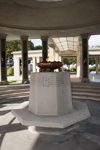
(85, 80)
(52, 131)
(25, 81)
(4, 83)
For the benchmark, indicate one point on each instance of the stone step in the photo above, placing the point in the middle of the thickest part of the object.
(14, 94)
(12, 86)
(86, 87)
(86, 90)
(85, 97)
(6, 100)
(86, 94)
(11, 91)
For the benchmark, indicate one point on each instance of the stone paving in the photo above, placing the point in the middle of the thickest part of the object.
(14, 136)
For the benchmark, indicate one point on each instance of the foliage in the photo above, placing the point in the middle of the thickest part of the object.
(69, 61)
(95, 46)
(16, 46)
(31, 45)
(66, 69)
(13, 46)
(91, 60)
(20, 72)
(38, 47)
(73, 69)
(11, 81)
(10, 71)
(91, 69)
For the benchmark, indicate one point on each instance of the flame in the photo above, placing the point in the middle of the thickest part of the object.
(50, 59)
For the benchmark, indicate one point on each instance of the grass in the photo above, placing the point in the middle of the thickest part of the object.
(11, 81)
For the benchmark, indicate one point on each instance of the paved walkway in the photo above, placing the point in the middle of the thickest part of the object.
(14, 136)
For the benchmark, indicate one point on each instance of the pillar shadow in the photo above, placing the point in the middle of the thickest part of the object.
(10, 128)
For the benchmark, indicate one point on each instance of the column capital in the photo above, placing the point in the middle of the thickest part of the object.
(44, 38)
(57, 51)
(24, 37)
(3, 35)
(52, 46)
(85, 35)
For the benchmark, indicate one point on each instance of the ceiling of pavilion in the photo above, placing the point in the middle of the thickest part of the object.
(66, 43)
(44, 3)
(53, 19)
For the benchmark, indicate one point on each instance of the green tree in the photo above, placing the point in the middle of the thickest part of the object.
(69, 61)
(31, 45)
(13, 46)
(38, 47)
(91, 61)
(16, 46)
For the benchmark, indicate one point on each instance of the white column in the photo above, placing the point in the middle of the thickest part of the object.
(96, 65)
(62, 62)
(79, 61)
(38, 60)
(79, 69)
(51, 52)
(78, 66)
(34, 64)
(60, 58)
(16, 67)
(56, 57)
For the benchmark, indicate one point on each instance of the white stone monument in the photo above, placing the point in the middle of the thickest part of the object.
(50, 103)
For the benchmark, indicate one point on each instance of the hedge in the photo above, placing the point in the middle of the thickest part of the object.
(10, 71)
(73, 69)
(91, 69)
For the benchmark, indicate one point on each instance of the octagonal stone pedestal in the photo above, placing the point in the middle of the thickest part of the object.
(50, 93)
(50, 103)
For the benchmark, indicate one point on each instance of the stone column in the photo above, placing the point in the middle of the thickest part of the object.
(44, 47)
(79, 60)
(62, 62)
(60, 58)
(51, 50)
(24, 40)
(34, 64)
(96, 65)
(85, 59)
(38, 60)
(3, 60)
(56, 56)
(16, 67)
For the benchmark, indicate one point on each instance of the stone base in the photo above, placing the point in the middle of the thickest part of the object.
(25, 81)
(4, 83)
(85, 80)
(52, 131)
(27, 118)
(50, 93)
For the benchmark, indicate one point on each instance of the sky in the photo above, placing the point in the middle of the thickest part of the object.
(93, 41)
(36, 42)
